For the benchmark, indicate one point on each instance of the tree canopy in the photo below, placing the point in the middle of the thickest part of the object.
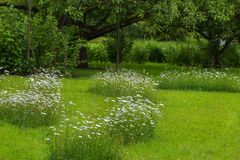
(60, 27)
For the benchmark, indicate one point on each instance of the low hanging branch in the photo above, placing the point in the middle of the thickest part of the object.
(91, 32)
(97, 32)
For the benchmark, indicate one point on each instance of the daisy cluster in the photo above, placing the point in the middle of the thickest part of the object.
(82, 137)
(124, 83)
(131, 119)
(36, 105)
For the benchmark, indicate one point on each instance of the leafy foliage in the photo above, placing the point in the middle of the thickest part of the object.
(143, 51)
(213, 20)
(125, 45)
(13, 41)
(97, 52)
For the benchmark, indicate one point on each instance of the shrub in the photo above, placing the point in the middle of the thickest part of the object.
(13, 40)
(50, 45)
(124, 83)
(81, 137)
(196, 79)
(139, 53)
(125, 45)
(143, 51)
(37, 105)
(188, 54)
(231, 56)
(156, 54)
(97, 53)
(132, 118)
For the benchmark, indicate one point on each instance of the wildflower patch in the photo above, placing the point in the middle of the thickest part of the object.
(37, 105)
(196, 79)
(124, 83)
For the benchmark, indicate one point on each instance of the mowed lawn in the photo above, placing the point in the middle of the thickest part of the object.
(194, 126)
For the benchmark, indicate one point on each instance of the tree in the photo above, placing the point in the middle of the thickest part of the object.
(92, 18)
(215, 20)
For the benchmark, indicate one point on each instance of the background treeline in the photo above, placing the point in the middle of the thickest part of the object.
(185, 49)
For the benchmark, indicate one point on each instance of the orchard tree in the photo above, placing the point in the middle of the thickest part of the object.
(220, 26)
(215, 20)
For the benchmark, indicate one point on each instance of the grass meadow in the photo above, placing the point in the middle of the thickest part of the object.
(194, 124)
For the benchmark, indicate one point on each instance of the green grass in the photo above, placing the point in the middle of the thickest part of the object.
(26, 144)
(194, 125)
(202, 80)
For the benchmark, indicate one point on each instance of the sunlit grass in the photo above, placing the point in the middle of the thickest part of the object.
(201, 80)
(124, 83)
(193, 125)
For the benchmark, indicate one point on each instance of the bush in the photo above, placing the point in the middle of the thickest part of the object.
(156, 54)
(50, 45)
(97, 52)
(132, 118)
(188, 53)
(38, 105)
(147, 51)
(231, 57)
(139, 53)
(124, 83)
(111, 46)
(13, 40)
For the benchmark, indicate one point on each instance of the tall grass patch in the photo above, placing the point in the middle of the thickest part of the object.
(124, 83)
(132, 118)
(197, 79)
(100, 137)
(36, 105)
(82, 137)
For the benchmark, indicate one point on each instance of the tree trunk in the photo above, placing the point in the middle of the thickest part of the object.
(216, 60)
(83, 57)
(215, 52)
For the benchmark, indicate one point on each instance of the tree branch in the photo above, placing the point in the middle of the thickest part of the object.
(229, 41)
(103, 20)
(203, 34)
(18, 6)
(89, 35)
